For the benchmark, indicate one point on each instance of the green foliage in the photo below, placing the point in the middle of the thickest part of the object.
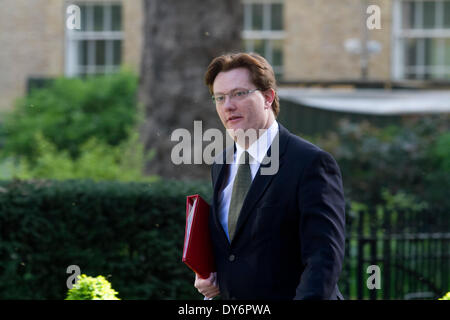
(96, 161)
(70, 112)
(441, 152)
(401, 201)
(446, 296)
(132, 233)
(89, 288)
(412, 159)
(76, 129)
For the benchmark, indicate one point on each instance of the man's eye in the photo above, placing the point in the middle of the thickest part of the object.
(240, 93)
(220, 98)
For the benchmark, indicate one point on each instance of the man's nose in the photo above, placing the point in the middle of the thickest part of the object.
(228, 103)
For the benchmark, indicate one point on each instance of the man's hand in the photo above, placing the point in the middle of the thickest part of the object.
(207, 287)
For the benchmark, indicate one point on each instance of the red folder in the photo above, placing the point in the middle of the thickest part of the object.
(197, 250)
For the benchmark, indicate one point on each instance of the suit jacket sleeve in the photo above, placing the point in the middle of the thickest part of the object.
(322, 227)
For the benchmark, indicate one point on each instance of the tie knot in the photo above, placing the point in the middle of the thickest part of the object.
(245, 158)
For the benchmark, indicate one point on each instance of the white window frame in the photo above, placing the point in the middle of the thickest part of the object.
(400, 35)
(266, 33)
(73, 37)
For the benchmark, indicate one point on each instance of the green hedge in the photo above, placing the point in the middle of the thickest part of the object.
(130, 232)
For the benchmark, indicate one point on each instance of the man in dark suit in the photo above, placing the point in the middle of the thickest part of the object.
(279, 235)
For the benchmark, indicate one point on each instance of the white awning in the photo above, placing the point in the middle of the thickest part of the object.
(370, 101)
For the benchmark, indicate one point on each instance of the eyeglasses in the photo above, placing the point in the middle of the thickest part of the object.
(236, 95)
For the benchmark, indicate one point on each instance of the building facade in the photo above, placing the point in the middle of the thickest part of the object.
(305, 40)
(36, 43)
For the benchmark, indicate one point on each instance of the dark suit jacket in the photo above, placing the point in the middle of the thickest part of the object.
(289, 239)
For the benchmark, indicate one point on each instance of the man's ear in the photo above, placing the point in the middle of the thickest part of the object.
(269, 96)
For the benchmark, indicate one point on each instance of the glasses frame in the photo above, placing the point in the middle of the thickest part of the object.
(233, 94)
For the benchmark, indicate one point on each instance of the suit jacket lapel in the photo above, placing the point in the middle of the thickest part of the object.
(261, 182)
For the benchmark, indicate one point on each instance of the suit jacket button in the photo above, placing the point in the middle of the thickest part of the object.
(232, 257)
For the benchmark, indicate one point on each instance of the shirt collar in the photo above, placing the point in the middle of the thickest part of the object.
(259, 148)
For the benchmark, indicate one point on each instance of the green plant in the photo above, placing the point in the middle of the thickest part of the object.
(89, 288)
(70, 112)
(97, 161)
(441, 152)
(446, 296)
(409, 159)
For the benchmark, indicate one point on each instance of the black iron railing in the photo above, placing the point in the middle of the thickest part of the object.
(410, 249)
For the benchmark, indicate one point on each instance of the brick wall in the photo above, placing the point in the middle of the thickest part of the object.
(315, 34)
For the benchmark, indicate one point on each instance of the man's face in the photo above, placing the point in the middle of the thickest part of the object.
(254, 111)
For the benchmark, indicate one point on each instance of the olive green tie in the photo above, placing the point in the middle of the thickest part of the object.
(242, 182)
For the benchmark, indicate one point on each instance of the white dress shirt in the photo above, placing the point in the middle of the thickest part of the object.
(257, 152)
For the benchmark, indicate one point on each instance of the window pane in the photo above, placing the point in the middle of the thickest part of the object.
(100, 53)
(428, 75)
(257, 16)
(277, 16)
(82, 52)
(98, 18)
(447, 53)
(431, 52)
(117, 59)
(116, 12)
(89, 17)
(259, 46)
(247, 16)
(277, 52)
(278, 73)
(429, 16)
(83, 17)
(447, 14)
(411, 75)
(247, 45)
(408, 18)
(410, 52)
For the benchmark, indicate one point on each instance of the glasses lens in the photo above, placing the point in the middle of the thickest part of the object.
(240, 94)
(219, 99)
